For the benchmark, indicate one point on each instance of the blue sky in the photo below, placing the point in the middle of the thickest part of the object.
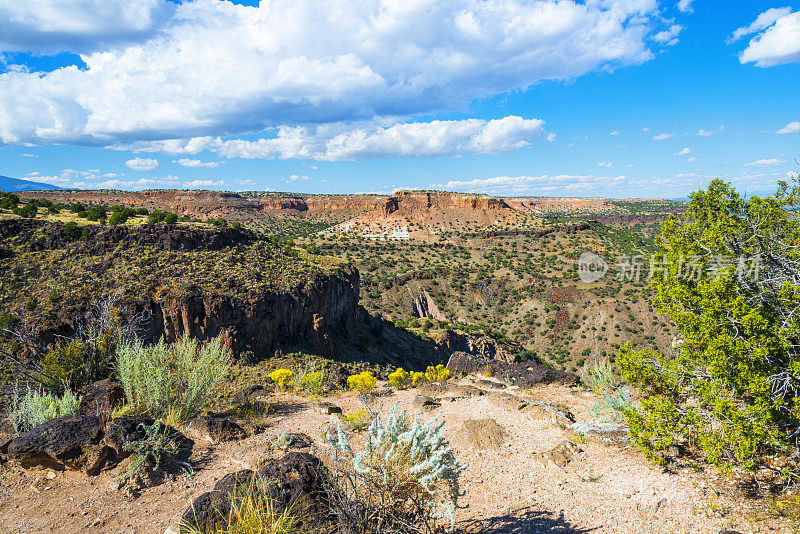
(598, 98)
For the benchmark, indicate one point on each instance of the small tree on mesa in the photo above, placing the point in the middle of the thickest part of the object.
(728, 275)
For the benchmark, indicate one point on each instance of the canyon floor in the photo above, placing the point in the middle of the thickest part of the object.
(509, 486)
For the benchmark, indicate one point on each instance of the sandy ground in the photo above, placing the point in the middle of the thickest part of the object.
(605, 489)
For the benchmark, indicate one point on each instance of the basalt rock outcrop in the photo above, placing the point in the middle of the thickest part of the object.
(296, 480)
(313, 316)
(178, 280)
(527, 373)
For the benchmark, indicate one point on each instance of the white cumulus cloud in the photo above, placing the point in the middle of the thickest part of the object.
(49, 26)
(196, 163)
(684, 151)
(792, 127)
(778, 40)
(220, 69)
(662, 137)
(685, 6)
(766, 162)
(669, 36)
(142, 164)
(341, 142)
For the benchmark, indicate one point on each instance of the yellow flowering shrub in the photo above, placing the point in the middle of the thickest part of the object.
(281, 377)
(440, 373)
(400, 379)
(416, 378)
(359, 419)
(362, 382)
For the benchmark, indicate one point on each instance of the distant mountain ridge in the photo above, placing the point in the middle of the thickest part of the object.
(15, 184)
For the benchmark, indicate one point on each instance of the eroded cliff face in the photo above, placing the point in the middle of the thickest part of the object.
(179, 279)
(311, 317)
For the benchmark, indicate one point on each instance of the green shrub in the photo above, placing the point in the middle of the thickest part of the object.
(400, 379)
(35, 407)
(27, 210)
(253, 511)
(9, 201)
(598, 376)
(77, 207)
(159, 447)
(173, 380)
(313, 381)
(118, 217)
(612, 405)
(97, 213)
(729, 386)
(359, 419)
(71, 231)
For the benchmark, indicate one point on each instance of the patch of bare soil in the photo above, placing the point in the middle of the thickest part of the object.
(601, 488)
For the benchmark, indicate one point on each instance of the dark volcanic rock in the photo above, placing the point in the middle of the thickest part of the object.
(208, 512)
(216, 429)
(130, 428)
(125, 429)
(518, 373)
(72, 441)
(297, 479)
(100, 398)
(312, 311)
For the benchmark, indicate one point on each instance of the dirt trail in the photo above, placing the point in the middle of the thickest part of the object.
(604, 489)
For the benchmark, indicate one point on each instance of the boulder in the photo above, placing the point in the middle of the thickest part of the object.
(507, 402)
(209, 512)
(560, 455)
(423, 403)
(100, 398)
(72, 441)
(616, 434)
(482, 434)
(523, 374)
(216, 429)
(125, 429)
(130, 428)
(557, 415)
(327, 408)
(296, 479)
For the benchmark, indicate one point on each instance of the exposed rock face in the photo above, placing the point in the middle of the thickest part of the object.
(216, 429)
(312, 313)
(519, 373)
(78, 442)
(390, 206)
(43, 235)
(313, 316)
(482, 346)
(200, 204)
(425, 306)
(283, 203)
(125, 429)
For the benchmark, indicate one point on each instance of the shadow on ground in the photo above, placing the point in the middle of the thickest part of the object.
(522, 521)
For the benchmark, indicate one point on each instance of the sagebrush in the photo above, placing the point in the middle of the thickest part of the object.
(176, 379)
